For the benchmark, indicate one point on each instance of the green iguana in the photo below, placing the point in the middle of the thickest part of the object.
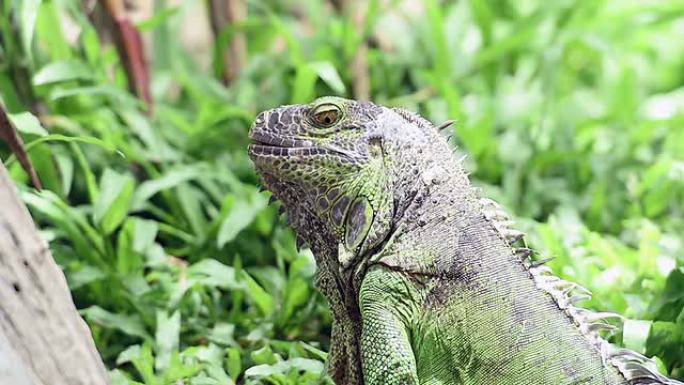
(424, 278)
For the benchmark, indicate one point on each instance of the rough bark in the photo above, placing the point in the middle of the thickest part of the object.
(43, 340)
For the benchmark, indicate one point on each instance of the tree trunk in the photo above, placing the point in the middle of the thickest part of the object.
(43, 340)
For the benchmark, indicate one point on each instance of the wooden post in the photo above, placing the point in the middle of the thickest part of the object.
(43, 340)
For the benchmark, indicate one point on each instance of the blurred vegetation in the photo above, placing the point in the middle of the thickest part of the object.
(571, 114)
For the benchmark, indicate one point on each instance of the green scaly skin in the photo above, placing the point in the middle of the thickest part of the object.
(423, 283)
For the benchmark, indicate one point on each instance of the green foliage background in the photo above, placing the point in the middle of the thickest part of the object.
(571, 115)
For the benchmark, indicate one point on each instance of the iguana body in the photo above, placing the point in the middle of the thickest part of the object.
(424, 285)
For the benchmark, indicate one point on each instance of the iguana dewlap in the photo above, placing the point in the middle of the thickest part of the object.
(421, 275)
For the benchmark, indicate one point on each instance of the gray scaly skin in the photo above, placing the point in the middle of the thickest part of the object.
(421, 275)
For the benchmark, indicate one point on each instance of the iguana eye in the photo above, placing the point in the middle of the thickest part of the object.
(326, 115)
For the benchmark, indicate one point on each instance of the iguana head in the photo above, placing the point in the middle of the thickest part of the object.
(338, 166)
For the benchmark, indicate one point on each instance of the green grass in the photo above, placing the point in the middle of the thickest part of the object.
(571, 114)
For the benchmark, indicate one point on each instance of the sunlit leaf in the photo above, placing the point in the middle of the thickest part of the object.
(129, 324)
(27, 123)
(167, 338)
(62, 71)
(635, 333)
(113, 203)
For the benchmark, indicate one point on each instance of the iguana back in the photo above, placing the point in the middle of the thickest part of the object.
(423, 277)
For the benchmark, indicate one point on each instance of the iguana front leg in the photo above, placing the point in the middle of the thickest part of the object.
(386, 310)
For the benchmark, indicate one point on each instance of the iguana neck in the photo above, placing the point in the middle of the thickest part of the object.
(425, 210)
(431, 213)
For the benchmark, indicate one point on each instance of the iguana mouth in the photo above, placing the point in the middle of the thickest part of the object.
(269, 144)
(270, 140)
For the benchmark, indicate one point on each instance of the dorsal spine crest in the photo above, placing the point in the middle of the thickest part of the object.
(636, 368)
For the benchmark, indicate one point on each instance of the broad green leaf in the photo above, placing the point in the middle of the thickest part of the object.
(635, 333)
(65, 165)
(170, 179)
(265, 355)
(128, 354)
(211, 272)
(263, 300)
(156, 148)
(218, 373)
(27, 123)
(666, 339)
(61, 71)
(134, 240)
(70, 139)
(9, 96)
(113, 203)
(190, 200)
(483, 17)
(441, 55)
(320, 354)
(234, 363)
(117, 377)
(50, 32)
(178, 370)
(158, 19)
(84, 276)
(91, 45)
(112, 93)
(302, 364)
(296, 294)
(167, 338)
(210, 353)
(28, 13)
(304, 84)
(328, 73)
(240, 214)
(43, 160)
(307, 74)
(144, 364)
(145, 234)
(129, 324)
(222, 334)
(88, 175)
(87, 242)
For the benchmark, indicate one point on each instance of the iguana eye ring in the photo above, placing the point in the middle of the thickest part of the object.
(326, 115)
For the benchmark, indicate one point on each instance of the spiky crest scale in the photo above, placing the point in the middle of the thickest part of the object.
(412, 117)
(636, 368)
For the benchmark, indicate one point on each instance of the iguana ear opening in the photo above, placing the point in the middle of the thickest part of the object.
(357, 224)
(359, 220)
